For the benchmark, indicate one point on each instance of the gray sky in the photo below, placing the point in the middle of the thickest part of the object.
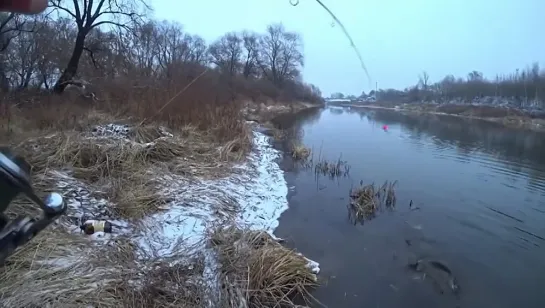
(398, 39)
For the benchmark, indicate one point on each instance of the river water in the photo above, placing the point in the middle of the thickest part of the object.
(479, 190)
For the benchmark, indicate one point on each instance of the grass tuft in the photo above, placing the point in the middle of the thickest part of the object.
(332, 169)
(63, 270)
(299, 152)
(367, 200)
(257, 271)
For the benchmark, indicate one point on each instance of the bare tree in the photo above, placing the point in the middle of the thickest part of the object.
(423, 80)
(280, 54)
(197, 49)
(107, 43)
(142, 53)
(88, 16)
(251, 53)
(226, 53)
(291, 58)
(11, 26)
(476, 76)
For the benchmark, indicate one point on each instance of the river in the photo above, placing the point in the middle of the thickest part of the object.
(479, 190)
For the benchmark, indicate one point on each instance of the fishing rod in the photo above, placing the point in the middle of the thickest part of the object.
(343, 28)
(15, 181)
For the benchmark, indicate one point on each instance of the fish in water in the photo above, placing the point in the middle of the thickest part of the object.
(438, 272)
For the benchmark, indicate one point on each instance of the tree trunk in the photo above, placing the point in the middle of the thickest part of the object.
(72, 67)
(4, 81)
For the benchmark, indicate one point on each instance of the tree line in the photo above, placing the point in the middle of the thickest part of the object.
(98, 42)
(524, 88)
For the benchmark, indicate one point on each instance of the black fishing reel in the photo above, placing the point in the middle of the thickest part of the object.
(14, 180)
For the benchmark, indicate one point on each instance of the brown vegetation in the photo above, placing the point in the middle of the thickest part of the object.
(257, 272)
(142, 69)
(479, 111)
(367, 200)
(147, 74)
(332, 169)
(299, 152)
(59, 270)
(141, 72)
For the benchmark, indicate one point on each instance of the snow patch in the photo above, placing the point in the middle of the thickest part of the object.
(117, 131)
(254, 198)
(82, 206)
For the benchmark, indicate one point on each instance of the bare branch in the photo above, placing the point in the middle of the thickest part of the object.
(92, 56)
(78, 13)
(96, 14)
(55, 4)
(106, 22)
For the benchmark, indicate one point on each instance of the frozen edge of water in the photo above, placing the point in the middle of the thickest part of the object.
(259, 191)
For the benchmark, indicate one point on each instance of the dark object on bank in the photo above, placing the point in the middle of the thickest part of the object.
(92, 226)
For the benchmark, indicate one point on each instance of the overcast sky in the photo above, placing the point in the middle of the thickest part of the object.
(398, 39)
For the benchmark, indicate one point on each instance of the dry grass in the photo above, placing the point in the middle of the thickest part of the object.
(146, 133)
(256, 271)
(332, 169)
(479, 111)
(57, 269)
(93, 159)
(367, 200)
(279, 134)
(273, 131)
(299, 152)
(136, 197)
(60, 270)
(50, 131)
(126, 168)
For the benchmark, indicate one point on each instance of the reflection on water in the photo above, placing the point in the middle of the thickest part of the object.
(480, 188)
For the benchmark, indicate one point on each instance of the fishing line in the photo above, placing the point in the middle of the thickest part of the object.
(336, 20)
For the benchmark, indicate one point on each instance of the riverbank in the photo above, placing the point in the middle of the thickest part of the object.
(263, 113)
(506, 116)
(193, 217)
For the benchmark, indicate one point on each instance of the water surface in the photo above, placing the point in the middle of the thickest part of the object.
(480, 188)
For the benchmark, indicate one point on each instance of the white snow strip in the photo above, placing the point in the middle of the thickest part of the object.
(259, 192)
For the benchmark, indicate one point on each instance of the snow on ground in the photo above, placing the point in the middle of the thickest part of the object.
(83, 206)
(254, 198)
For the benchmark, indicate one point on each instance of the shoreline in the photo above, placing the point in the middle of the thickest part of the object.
(264, 114)
(518, 122)
(251, 194)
